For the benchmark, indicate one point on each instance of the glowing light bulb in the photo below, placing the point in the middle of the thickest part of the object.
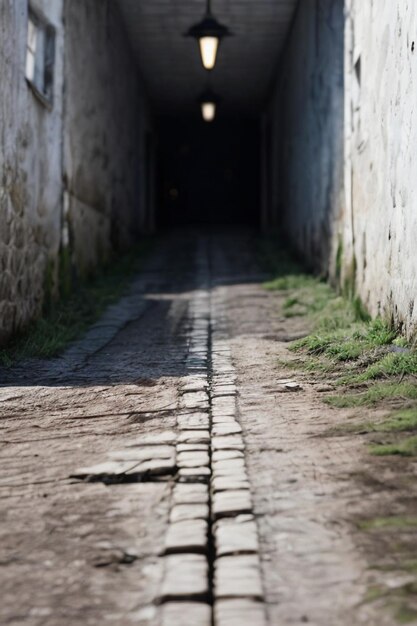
(208, 110)
(208, 50)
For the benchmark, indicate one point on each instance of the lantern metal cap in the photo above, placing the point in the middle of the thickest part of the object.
(208, 27)
(208, 95)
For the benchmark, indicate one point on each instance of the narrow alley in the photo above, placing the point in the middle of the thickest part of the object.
(208, 320)
(189, 362)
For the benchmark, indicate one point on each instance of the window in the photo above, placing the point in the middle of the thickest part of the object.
(40, 57)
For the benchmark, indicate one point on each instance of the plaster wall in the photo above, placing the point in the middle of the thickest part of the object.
(380, 226)
(30, 171)
(304, 129)
(105, 129)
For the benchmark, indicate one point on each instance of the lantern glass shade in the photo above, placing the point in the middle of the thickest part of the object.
(208, 111)
(208, 51)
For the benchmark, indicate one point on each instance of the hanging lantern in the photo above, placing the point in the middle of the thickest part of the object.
(208, 103)
(209, 33)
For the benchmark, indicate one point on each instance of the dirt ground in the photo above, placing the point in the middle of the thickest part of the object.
(74, 552)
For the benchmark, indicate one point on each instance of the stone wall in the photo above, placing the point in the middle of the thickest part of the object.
(379, 230)
(304, 125)
(30, 171)
(342, 128)
(105, 134)
(73, 182)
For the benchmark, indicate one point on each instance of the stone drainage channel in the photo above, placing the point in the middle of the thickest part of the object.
(210, 563)
(211, 566)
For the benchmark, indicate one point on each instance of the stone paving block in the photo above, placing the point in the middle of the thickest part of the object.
(185, 577)
(236, 467)
(236, 535)
(185, 614)
(237, 576)
(194, 436)
(195, 383)
(199, 421)
(225, 483)
(191, 474)
(181, 512)
(223, 388)
(227, 403)
(192, 447)
(187, 536)
(103, 469)
(231, 442)
(219, 418)
(231, 428)
(185, 493)
(232, 502)
(195, 400)
(193, 459)
(224, 455)
(239, 612)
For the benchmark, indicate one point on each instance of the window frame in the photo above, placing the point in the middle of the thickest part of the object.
(40, 74)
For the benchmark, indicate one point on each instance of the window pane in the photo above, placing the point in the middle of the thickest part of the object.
(30, 65)
(32, 32)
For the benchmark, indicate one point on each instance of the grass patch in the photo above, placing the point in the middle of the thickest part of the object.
(391, 365)
(348, 342)
(374, 394)
(70, 317)
(401, 421)
(405, 447)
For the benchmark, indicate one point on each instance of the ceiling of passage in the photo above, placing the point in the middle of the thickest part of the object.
(170, 63)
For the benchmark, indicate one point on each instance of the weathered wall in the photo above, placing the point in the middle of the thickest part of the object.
(304, 128)
(380, 227)
(341, 132)
(105, 134)
(30, 171)
(74, 184)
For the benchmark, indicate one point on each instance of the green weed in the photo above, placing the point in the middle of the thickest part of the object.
(390, 365)
(405, 447)
(374, 394)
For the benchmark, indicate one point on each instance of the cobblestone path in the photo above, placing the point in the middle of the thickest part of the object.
(165, 472)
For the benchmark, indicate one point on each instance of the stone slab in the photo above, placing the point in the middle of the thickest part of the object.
(232, 502)
(231, 428)
(236, 535)
(192, 447)
(225, 483)
(185, 493)
(193, 459)
(185, 577)
(194, 436)
(185, 614)
(182, 512)
(224, 455)
(193, 422)
(230, 466)
(238, 577)
(230, 442)
(239, 612)
(219, 418)
(191, 474)
(187, 535)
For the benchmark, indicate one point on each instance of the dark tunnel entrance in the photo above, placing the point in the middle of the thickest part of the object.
(208, 173)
